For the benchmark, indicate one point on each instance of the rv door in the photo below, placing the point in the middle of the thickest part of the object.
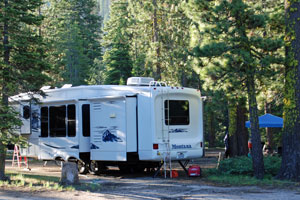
(108, 129)
(84, 126)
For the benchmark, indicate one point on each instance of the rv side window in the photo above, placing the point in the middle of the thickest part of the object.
(44, 122)
(26, 112)
(86, 120)
(177, 112)
(71, 121)
(57, 117)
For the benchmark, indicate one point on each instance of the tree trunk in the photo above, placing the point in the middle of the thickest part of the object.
(242, 132)
(4, 101)
(232, 130)
(290, 166)
(238, 134)
(212, 134)
(156, 40)
(269, 133)
(2, 161)
(257, 156)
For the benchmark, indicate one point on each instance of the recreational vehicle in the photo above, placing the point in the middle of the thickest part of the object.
(135, 126)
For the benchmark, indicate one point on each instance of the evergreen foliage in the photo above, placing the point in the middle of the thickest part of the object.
(73, 30)
(238, 51)
(22, 62)
(160, 42)
(117, 59)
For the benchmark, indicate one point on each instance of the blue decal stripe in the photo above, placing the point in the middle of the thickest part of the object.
(75, 147)
(54, 147)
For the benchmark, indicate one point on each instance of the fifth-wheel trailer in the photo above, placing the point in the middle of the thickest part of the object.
(136, 126)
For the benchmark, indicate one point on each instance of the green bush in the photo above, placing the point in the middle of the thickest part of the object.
(236, 165)
(272, 165)
(243, 165)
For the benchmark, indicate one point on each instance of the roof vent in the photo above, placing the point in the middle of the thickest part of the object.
(139, 81)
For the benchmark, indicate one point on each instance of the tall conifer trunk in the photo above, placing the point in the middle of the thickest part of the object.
(257, 156)
(238, 135)
(156, 41)
(269, 131)
(4, 100)
(290, 166)
(212, 133)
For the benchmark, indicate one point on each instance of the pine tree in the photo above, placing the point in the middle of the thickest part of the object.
(73, 30)
(290, 168)
(160, 41)
(237, 49)
(117, 60)
(22, 62)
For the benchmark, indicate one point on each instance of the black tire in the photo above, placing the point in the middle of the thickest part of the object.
(58, 162)
(94, 167)
(82, 168)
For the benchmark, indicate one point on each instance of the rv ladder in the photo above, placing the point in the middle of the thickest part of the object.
(166, 138)
(18, 157)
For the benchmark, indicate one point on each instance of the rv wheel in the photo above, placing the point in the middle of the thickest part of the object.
(82, 168)
(94, 167)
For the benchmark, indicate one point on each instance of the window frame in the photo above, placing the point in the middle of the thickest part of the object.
(26, 112)
(167, 109)
(66, 121)
(86, 121)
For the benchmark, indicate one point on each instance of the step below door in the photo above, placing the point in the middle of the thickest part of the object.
(108, 129)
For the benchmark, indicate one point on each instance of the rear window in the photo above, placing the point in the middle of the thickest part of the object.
(177, 112)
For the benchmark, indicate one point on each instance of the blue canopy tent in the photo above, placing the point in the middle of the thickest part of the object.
(268, 120)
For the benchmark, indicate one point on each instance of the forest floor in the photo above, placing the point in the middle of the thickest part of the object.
(114, 185)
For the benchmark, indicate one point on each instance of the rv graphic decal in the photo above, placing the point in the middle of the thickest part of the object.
(109, 137)
(75, 147)
(94, 146)
(54, 147)
(181, 146)
(35, 118)
(178, 130)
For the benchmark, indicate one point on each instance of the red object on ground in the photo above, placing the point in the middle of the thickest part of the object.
(174, 174)
(249, 144)
(194, 170)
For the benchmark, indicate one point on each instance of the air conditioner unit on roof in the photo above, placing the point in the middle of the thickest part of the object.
(139, 81)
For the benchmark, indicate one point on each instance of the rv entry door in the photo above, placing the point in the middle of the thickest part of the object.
(108, 129)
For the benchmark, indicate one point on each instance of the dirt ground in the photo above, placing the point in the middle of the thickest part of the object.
(114, 185)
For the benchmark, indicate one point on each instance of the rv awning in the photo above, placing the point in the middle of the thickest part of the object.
(268, 120)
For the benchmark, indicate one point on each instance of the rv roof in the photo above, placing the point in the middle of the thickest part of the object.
(95, 91)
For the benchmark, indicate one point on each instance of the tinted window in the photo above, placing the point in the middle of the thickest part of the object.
(177, 112)
(86, 120)
(44, 122)
(57, 117)
(71, 121)
(26, 112)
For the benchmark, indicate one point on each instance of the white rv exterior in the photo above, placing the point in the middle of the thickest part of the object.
(143, 121)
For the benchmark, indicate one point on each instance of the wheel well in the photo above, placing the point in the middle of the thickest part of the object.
(72, 159)
(59, 159)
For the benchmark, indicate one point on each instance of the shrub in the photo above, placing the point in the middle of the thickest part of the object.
(243, 165)
(236, 165)
(272, 165)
